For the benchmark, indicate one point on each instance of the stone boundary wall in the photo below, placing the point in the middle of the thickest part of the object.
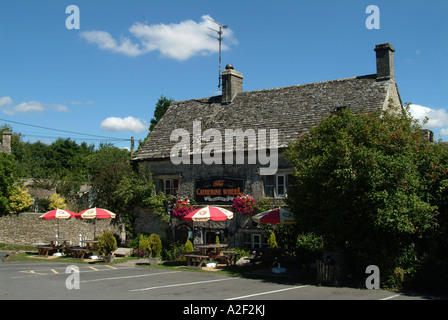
(27, 228)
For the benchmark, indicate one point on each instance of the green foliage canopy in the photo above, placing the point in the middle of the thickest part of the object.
(363, 180)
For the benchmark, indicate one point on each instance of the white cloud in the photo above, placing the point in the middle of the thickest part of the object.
(7, 107)
(178, 41)
(127, 124)
(4, 101)
(436, 118)
(105, 41)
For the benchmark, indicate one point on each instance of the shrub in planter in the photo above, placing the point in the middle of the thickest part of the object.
(272, 242)
(188, 246)
(155, 248)
(107, 244)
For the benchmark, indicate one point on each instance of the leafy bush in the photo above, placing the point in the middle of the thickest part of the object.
(173, 251)
(57, 202)
(20, 200)
(154, 245)
(310, 242)
(272, 242)
(107, 243)
(371, 182)
(188, 246)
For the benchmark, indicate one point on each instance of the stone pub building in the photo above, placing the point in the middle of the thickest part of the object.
(192, 153)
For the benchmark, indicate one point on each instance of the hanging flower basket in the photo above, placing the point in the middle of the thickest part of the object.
(182, 207)
(244, 204)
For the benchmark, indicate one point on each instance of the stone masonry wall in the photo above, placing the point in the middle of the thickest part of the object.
(27, 228)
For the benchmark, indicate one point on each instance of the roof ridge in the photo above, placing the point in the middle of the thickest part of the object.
(368, 76)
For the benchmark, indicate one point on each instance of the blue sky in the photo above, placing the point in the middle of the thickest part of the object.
(105, 78)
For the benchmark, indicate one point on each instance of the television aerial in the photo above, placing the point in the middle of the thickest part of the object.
(219, 38)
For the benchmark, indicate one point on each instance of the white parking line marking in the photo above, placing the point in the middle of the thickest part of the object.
(128, 277)
(182, 284)
(390, 297)
(266, 292)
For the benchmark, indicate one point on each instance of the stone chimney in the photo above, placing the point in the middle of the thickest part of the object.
(385, 61)
(232, 84)
(5, 145)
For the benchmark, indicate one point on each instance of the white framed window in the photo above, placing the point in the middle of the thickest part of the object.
(276, 186)
(170, 186)
(269, 186)
(256, 241)
(253, 240)
(280, 185)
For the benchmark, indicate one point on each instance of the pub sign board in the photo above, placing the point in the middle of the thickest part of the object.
(218, 189)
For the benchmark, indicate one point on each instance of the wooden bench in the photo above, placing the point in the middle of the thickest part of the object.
(79, 252)
(46, 249)
(229, 257)
(195, 260)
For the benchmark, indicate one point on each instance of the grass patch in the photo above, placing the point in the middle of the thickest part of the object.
(34, 256)
(16, 247)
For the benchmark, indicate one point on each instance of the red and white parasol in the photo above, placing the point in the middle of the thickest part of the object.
(95, 213)
(58, 214)
(276, 216)
(209, 213)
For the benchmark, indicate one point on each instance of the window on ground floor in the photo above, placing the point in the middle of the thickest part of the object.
(276, 186)
(253, 240)
(170, 186)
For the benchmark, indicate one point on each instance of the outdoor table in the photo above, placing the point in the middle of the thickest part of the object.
(89, 243)
(46, 249)
(269, 256)
(203, 248)
(195, 260)
(229, 257)
(80, 252)
(54, 240)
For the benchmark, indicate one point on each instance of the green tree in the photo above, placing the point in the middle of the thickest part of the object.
(7, 180)
(162, 106)
(361, 181)
(20, 200)
(116, 185)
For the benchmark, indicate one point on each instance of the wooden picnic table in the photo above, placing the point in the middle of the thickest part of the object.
(270, 257)
(89, 243)
(229, 257)
(80, 252)
(212, 250)
(45, 249)
(196, 259)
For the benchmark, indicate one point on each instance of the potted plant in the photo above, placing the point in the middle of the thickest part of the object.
(107, 244)
(182, 207)
(155, 249)
(244, 204)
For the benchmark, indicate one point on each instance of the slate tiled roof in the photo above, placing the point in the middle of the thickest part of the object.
(292, 110)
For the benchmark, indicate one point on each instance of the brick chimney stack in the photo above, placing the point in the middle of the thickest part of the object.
(5, 145)
(385, 61)
(232, 84)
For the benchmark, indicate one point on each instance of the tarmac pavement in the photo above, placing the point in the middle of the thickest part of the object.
(61, 281)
